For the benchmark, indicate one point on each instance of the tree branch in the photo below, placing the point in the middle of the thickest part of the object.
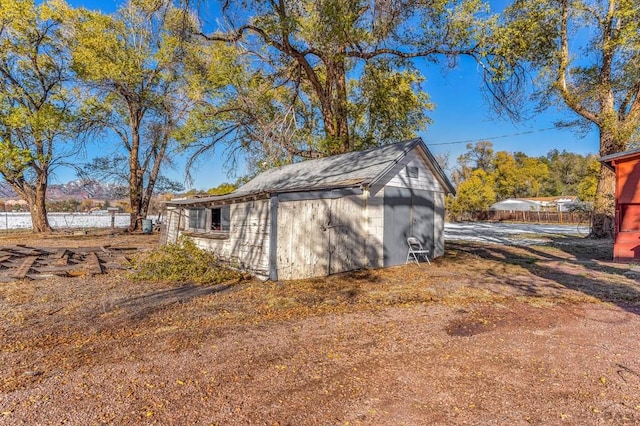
(563, 65)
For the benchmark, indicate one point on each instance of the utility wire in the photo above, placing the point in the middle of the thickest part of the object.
(494, 137)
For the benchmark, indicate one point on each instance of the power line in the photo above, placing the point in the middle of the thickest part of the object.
(494, 137)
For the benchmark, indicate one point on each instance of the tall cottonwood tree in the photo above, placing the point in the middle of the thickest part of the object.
(586, 57)
(38, 110)
(478, 156)
(342, 71)
(131, 64)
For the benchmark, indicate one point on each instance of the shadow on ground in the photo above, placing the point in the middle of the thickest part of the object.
(140, 307)
(576, 264)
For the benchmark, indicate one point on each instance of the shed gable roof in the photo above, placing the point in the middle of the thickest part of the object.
(338, 171)
(353, 168)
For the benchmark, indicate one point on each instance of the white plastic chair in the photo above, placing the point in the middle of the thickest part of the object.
(416, 251)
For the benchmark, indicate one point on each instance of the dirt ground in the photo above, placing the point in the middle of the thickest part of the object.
(488, 334)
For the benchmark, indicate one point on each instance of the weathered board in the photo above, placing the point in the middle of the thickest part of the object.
(22, 262)
(24, 268)
(318, 237)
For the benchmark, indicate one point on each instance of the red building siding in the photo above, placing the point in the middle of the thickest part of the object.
(626, 247)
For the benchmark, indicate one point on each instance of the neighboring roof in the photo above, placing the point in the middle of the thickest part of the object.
(608, 160)
(511, 203)
(338, 171)
(554, 199)
(533, 203)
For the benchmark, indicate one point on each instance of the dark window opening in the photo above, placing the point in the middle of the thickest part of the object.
(412, 172)
(220, 218)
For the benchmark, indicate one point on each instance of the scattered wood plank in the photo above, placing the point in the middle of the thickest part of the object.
(46, 251)
(22, 250)
(94, 264)
(60, 253)
(61, 269)
(23, 270)
(85, 250)
(21, 261)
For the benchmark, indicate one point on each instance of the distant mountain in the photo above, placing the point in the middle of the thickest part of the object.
(6, 191)
(75, 190)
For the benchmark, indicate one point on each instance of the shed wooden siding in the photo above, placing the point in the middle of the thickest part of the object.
(318, 237)
(248, 239)
(438, 225)
(375, 229)
(426, 179)
(170, 231)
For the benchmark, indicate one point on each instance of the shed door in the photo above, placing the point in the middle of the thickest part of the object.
(346, 234)
(302, 240)
(319, 237)
(407, 212)
(422, 215)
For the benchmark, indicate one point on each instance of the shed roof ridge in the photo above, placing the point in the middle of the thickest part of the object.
(338, 171)
(359, 167)
(346, 154)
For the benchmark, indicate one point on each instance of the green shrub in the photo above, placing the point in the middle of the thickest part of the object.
(182, 262)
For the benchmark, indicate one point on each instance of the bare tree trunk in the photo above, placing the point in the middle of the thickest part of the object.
(135, 199)
(35, 196)
(342, 123)
(155, 170)
(136, 174)
(37, 207)
(604, 203)
(604, 206)
(334, 108)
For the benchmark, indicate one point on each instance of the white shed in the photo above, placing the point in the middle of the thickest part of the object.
(323, 216)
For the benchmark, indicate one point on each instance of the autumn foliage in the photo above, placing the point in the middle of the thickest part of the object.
(484, 177)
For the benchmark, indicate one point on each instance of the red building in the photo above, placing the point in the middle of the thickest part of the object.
(626, 165)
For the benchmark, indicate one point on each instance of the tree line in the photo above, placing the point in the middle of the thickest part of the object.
(277, 81)
(484, 177)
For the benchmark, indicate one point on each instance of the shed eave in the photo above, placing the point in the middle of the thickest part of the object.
(221, 199)
(612, 159)
(238, 198)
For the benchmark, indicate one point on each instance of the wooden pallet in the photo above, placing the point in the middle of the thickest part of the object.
(23, 262)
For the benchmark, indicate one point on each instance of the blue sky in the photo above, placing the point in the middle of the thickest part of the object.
(461, 116)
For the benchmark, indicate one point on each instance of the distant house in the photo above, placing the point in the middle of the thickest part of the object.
(537, 204)
(16, 204)
(626, 165)
(323, 216)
